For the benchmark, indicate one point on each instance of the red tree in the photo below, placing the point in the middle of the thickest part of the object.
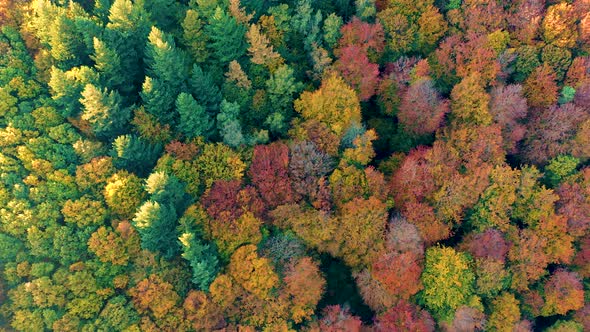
(404, 317)
(422, 110)
(338, 319)
(552, 132)
(355, 68)
(399, 273)
(582, 259)
(563, 292)
(226, 200)
(370, 37)
(269, 172)
(508, 107)
(574, 203)
(489, 244)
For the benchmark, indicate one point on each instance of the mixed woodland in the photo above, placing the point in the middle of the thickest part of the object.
(295, 165)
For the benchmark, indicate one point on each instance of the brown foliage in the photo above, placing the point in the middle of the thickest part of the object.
(227, 200)
(155, 296)
(540, 88)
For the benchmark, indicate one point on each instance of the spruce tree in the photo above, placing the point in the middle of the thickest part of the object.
(134, 154)
(228, 124)
(194, 120)
(204, 88)
(227, 37)
(202, 259)
(156, 225)
(104, 112)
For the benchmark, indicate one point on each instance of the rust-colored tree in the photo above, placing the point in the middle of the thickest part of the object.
(269, 172)
(422, 110)
(563, 292)
(405, 317)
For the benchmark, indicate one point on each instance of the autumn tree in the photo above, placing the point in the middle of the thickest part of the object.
(470, 102)
(124, 193)
(269, 172)
(305, 286)
(399, 273)
(422, 109)
(505, 313)
(508, 108)
(448, 281)
(563, 292)
(559, 25)
(336, 318)
(252, 272)
(155, 296)
(354, 66)
(406, 317)
(540, 87)
(260, 51)
(334, 104)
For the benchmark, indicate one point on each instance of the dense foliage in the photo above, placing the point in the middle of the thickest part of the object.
(325, 165)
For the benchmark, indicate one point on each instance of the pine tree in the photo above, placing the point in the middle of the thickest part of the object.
(134, 154)
(156, 225)
(158, 99)
(194, 120)
(166, 189)
(165, 61)
(66, 88)
(228, 124)
(108, 63)
(202, 259)
(193, 36)
(227, 40)
(204, 88)
(104, 112)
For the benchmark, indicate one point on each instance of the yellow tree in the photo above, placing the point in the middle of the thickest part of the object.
(334, 104)
(253, 273)
(559, 25)
(260, 50)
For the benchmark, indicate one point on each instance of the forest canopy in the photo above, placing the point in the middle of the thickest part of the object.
(295, 165)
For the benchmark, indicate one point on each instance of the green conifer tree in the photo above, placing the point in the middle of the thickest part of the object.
(104, 112)
(194, 120)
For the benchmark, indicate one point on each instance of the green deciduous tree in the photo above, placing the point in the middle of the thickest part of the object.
(448, 281)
